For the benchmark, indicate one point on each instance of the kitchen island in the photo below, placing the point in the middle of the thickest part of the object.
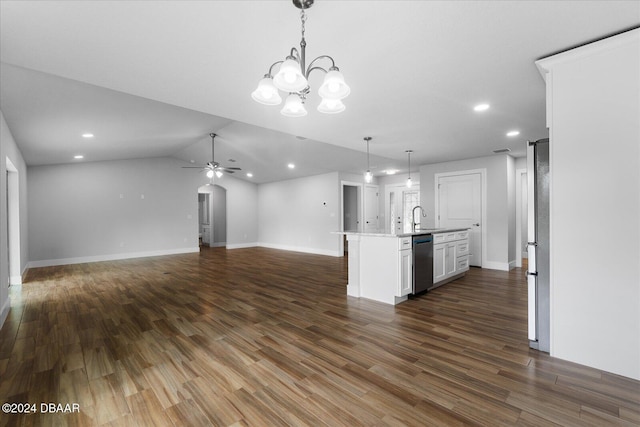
(381, 265)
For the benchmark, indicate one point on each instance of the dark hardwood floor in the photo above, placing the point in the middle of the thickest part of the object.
(264, 337)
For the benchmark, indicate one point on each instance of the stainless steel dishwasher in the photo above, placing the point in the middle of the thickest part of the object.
(422, 263)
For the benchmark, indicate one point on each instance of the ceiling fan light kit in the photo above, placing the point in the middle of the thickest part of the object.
(213, 168)
(293, 78)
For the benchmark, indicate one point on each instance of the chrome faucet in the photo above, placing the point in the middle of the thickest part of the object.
(413, 216)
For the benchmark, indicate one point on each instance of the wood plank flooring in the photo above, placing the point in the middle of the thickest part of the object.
(256, 337)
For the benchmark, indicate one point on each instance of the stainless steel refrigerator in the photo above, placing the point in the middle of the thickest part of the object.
(538, 274)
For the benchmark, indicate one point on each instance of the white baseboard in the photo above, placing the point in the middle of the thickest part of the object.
(218, 244)
(4, 312)
(493, 265)
(513, 264)
(112, 257)
(242, 245)
(15, 280)
(301, 249)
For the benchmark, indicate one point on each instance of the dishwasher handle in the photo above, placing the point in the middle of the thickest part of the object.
(419, 240)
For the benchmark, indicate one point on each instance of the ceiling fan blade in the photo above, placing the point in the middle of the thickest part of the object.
(233, 169)
(193, 167)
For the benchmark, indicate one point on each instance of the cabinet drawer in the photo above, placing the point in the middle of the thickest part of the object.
(404, 243)
(463, 247)
(462, 264)
(444, 237)
(462, 235)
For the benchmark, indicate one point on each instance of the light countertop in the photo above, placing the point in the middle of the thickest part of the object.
(382, 233)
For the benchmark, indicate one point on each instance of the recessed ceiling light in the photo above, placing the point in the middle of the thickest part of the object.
(513, 133)
(291, 166)
(249, 174)
(87, 135)
(481, 107)
(79, 156)
(390, 171)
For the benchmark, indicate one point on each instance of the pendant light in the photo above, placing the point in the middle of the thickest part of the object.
(367, 176)
(409, 183)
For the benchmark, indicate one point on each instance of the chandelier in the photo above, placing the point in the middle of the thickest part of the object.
(292, 78)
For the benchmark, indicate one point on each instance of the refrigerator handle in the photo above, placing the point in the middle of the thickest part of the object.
(531, 273)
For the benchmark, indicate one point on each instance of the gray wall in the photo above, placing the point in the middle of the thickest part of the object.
(300, 214)
(108, 210)
(96, 211)
(8, 149)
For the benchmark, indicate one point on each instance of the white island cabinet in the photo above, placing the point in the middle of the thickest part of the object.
(381, 264)
(380, 267)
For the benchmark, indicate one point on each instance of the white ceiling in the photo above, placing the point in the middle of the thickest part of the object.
(154, 78)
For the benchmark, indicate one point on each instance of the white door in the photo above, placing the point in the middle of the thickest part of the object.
(400, 203)
(370, 208)
(460, 205)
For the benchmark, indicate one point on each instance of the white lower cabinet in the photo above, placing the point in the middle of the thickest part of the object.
(450, 255)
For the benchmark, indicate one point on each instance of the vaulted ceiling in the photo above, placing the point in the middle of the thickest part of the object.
(154, 78)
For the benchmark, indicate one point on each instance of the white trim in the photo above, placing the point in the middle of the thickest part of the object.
(218, 244)
(301, 249)
(14, 238)
(4, 312)
(483, 209)
(15, 280)
(112, 257)
(242, 245)
(495, 265)
(512, 264)
(545, 64)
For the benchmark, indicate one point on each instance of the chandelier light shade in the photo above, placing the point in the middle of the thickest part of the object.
(292, 77)
(267, 93)
(409, 182)
(368, 177)
(293, 106)
(333, 86)
(331, 106)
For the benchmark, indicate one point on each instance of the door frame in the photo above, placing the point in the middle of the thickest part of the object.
(14, 274)
(360, 199)
(483, 201)
(387, 204)
(521, 177)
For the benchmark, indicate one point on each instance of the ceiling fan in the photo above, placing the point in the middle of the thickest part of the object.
(213, 167)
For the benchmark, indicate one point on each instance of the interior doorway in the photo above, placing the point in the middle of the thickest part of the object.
(212, 215)
(13, 224)
(351, 194)
(399, 203)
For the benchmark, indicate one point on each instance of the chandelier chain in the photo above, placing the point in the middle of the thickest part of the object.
(303, 19)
